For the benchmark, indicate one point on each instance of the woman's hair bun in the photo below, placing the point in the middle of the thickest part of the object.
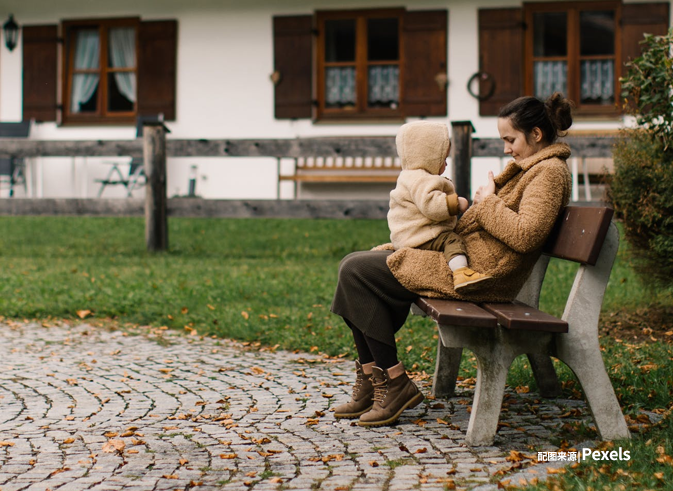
(559, 110)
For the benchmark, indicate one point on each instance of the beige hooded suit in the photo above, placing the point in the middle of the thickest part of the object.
(423, 205)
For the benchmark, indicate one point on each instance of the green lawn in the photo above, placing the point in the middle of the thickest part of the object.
(271, 281)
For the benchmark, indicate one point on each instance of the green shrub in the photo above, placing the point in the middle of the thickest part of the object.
(648, 85)
(641, 191)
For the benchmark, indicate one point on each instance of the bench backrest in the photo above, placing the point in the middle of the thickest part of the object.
(579, 234)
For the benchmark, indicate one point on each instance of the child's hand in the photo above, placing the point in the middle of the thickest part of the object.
(463, 204)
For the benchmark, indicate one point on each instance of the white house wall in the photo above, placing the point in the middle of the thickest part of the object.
(225, 56)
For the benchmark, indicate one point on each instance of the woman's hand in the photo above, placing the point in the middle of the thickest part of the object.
(484, 191)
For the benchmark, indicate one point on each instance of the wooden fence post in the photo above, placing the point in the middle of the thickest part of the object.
(461, 157)
(154, 159)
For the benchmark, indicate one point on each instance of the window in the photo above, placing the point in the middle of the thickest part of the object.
(362, 64)
(359, 69)
(101, 70)
(574, 48)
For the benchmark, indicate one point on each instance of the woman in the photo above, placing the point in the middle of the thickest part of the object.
(504, 231)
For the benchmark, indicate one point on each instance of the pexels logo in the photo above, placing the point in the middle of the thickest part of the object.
(583, 455)
(605, 454)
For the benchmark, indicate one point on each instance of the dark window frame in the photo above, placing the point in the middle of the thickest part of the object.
(361, 63)
(573, 56)
(102, 115)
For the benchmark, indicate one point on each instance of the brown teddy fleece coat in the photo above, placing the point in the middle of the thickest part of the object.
(504, 234)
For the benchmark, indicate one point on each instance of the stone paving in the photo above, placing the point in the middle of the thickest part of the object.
(85, 407)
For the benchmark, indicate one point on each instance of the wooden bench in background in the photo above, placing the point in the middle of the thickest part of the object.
(499, 332)
(343, 170)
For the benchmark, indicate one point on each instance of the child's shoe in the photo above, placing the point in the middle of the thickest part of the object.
(465, 279)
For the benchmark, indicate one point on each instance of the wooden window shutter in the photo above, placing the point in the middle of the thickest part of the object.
(40, 54)
(424, 55)
(638, 19)
(500, 57)
(293, 66)
(157, 66)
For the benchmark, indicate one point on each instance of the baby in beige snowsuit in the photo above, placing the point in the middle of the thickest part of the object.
(424, 205)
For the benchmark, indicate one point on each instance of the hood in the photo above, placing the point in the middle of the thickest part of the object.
(423, 145)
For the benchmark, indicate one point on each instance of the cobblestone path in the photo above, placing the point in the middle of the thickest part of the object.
(88, 408)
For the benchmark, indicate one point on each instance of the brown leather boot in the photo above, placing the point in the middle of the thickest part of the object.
(362, 398)
(391, 397)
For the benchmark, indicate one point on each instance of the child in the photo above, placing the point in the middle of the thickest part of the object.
(424, 205)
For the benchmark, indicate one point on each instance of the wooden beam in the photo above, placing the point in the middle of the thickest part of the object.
(196, 207)
(156, 216)
(283, 148)
(461, 156)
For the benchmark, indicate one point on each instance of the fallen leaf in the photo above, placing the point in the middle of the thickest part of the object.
(69, 440)
(245, 315)
(227, 455)
(170, 476)
(113, 446)
(6, 444)
(82, 313)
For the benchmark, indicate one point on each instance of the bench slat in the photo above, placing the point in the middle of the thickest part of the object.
(337, 178)
(456, 313)
(520, 316)
(579, 234)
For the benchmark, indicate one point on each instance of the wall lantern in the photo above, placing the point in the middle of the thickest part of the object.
(11, 30)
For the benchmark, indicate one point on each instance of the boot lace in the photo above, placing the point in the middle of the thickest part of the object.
(380, 390)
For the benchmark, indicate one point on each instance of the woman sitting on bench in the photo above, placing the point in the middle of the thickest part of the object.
(504, 231)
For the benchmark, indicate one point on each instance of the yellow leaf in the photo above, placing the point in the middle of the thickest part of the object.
(113, 446)
(228, 456)
(184, 310)
(6, 444)
(659, 475)
(170, 476)
(210, 307)
(245, 315)
(69, 440)
(82, 313)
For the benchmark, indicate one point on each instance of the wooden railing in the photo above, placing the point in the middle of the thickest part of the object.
(154, 148)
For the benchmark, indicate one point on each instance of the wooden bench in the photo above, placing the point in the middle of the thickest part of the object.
(343, 170)
(497, 333)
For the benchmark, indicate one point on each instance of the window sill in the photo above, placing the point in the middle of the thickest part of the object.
(359, 121)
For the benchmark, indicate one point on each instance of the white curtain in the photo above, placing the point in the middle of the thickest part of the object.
(550, 77)
(383, 84)
(123, 55)
(86, 57)
(340, 86)
(598, 81)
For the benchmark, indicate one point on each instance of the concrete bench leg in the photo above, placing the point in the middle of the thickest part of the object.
(446, 370)
(492, 367)
(545, 375)
(589, 368)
